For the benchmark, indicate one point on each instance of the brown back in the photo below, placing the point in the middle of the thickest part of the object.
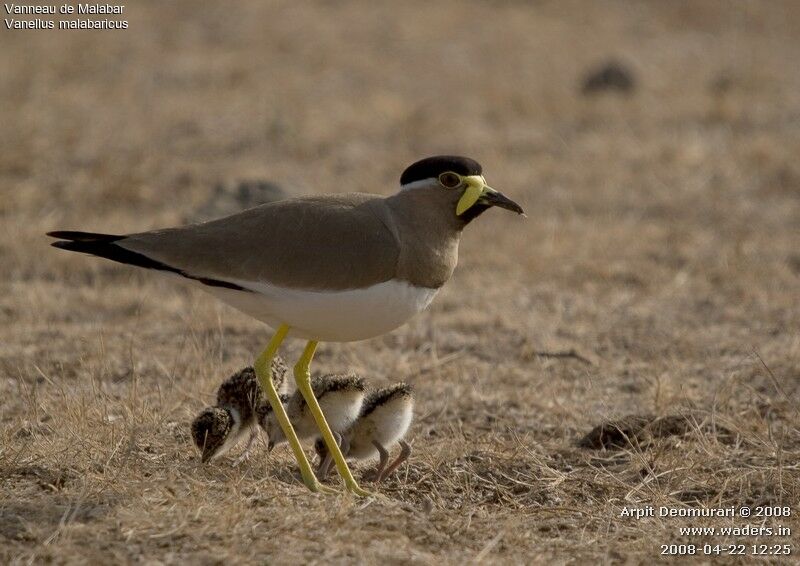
(332, 242)
(315, 243)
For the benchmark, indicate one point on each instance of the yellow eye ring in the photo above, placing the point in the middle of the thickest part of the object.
(449, 180)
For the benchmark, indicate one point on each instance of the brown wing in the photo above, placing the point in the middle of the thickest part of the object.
(331, 242)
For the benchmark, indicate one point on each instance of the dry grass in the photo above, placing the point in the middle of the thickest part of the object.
(662, 247)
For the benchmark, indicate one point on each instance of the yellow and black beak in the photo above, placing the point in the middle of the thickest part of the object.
(478, 191)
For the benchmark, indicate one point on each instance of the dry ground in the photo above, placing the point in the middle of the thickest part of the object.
(661, 246)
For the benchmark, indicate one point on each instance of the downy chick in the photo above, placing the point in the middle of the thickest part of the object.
(219, 428)
(384, 419)
(340, 398)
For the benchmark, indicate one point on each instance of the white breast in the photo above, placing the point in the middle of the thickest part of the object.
(339, 407)
(330, 316)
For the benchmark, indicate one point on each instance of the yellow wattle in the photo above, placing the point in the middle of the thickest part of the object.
(470, 197)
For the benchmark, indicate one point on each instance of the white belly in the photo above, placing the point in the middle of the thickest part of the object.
(330, 316)
(386, 425)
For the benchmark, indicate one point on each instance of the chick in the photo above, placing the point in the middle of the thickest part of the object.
(219, 428)
(340, 398)
(384, 419)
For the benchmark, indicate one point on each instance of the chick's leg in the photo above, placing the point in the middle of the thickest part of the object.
(384, 458)
(405, 452)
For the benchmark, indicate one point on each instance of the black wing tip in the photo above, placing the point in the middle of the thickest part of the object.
(64, 245)
(77, 236)
(105, 245)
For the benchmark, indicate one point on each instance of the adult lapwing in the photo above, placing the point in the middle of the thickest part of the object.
(337, 267)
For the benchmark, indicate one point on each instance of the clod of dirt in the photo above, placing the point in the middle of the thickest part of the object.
(722, 83)
(616, 434)
(226, 200)
(19, 519)
(640, 430)
(611, 76)
(46, 478)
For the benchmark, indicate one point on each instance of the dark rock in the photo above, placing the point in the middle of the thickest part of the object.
(230, 199)
(611, 76)
(639, 431)
(616, 434)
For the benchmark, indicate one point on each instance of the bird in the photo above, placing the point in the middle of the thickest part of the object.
(383, 422)
(241, 408)
(219, 428)
(336, 267)
(339, 396)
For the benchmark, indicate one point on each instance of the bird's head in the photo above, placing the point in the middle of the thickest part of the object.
(211, 431)
(458, 180)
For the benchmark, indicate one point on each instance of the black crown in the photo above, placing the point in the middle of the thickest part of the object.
(432, 167)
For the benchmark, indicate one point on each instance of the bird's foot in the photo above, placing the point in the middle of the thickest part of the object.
(355, 489)
(313, 484)
(322, 488)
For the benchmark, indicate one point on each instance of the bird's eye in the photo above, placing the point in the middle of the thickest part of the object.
(449, 180)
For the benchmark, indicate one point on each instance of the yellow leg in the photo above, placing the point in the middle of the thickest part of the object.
(263, 368)
(302, 376)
